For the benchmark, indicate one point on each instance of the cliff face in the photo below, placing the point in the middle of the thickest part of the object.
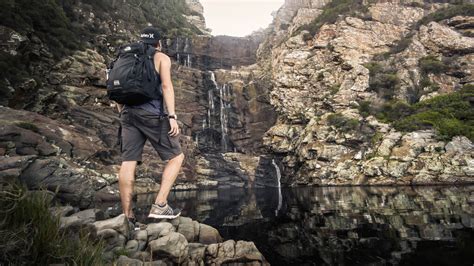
(342, 93)
(60, 130)
(334, 81)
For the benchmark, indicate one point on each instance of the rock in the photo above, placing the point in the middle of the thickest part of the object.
(186, 228)
(62, 211)
(459, 144)
(208, 234)
(173, 246)
(126, 261)
(19, 162)
(141, 255)
(119, 224)
(141, 235)
(132, 246)
(230, 251)
(112, 238)
(440, 38)
(80, 218)
(157, 230)
(197, 253)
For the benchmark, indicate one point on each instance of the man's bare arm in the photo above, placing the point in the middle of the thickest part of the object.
(167, 85)
(168, 90)
(119, 107)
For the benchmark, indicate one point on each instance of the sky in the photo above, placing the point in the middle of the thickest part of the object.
(238, 17)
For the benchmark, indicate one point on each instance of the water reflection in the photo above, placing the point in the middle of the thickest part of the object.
(342, 226)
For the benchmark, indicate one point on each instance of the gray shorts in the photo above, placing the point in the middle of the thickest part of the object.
(138, 125)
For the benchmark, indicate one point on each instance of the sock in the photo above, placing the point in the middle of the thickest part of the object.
(161, 205)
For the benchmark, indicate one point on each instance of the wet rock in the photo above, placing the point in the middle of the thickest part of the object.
(173, 246)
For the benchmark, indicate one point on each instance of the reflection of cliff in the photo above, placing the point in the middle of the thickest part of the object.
(381, 225)
(346, 226)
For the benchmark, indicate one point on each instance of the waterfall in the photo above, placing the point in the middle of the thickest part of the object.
(223, 116)
(210, 110)
(188, 61)
(280, 198)
(177, 50)
(223, 109)
(186, 45)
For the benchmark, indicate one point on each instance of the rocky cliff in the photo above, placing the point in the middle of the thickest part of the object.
(365, 92)
(332, 93)
(59, 130)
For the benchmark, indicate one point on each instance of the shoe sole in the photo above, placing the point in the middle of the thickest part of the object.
(161, 216)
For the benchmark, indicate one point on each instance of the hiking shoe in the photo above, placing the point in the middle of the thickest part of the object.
(165, 212)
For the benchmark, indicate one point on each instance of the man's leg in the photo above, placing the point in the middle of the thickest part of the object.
(126, 182)
(170, 173)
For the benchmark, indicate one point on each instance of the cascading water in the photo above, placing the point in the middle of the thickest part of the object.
(188, 61)
(223, 109)
(280, 198)
(223, 117)
(177, 50)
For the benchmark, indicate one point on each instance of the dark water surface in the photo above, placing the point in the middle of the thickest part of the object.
(341, 226)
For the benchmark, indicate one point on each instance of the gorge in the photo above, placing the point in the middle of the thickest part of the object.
(332, 93)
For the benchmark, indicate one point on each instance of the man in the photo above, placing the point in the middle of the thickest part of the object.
(150, 121)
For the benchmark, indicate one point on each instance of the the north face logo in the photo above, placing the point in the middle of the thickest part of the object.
(148, 35)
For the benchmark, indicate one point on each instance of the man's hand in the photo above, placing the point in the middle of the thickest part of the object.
(174, 128)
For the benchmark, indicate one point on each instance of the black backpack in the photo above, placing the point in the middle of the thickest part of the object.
(132, 78)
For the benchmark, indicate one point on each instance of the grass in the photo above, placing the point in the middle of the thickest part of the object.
(343, 123)
(30, 234)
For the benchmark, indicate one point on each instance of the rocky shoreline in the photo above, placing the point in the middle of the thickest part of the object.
(180, 241)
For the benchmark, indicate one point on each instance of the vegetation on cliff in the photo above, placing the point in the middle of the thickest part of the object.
(29, 233)
(331, 12)
(450, 114)
(58, 25)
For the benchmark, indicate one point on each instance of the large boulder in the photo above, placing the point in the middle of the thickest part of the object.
(173, 246)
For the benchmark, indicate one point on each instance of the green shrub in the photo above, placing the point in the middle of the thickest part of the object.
(331, 13)
(431, 64)
(30, 234)
(383, 80)
(458, 8)
(365, 108)
(394, 110)
(334, 88)
(451, 114)
(343, 123)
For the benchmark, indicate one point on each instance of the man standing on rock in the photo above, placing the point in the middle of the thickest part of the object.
(150, 121)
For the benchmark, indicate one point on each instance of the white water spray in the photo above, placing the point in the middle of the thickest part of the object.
(280, 198)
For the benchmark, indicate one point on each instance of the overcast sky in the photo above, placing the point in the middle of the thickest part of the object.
(238, 17)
